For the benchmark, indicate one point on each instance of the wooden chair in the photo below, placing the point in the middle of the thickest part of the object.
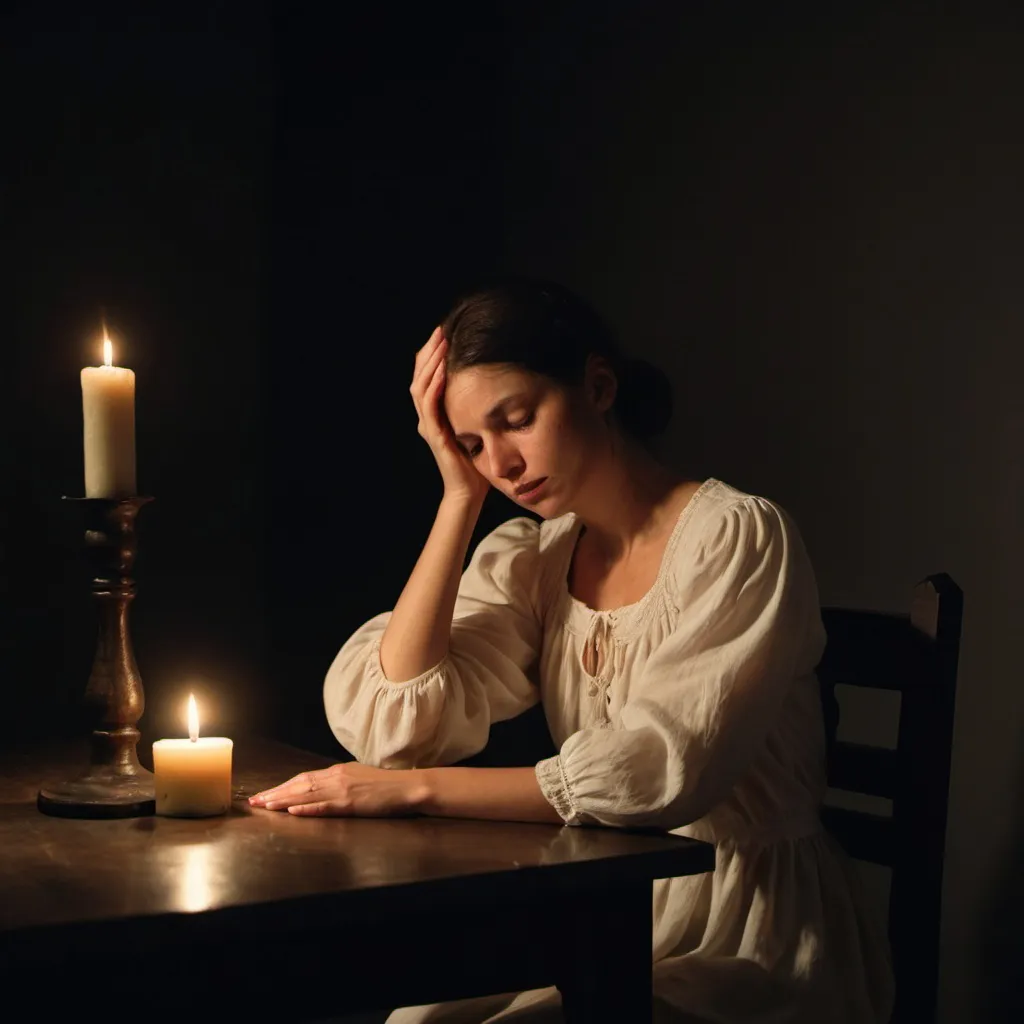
(917, 655)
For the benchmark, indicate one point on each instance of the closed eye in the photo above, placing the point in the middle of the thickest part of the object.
(472, 451)
(522, 424)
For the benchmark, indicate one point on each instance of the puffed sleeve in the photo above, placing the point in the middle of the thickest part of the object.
(444, 715)
(748, 625)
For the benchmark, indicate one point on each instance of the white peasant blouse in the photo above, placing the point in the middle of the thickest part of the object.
(695, 709)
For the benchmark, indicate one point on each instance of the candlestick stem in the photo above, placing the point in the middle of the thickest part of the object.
(114, 784)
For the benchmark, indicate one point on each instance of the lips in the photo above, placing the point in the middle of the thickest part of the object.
(528, 489)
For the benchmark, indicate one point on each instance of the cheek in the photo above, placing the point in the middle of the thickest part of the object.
(561, 446)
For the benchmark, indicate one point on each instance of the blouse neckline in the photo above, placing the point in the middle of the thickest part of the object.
(635, 608)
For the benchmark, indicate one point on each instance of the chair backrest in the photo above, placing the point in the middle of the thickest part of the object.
(917, 655)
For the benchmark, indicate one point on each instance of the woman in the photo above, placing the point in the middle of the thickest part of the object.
(669, 626)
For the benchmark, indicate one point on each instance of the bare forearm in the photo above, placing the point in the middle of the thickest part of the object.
(417, 633)
(499, 794)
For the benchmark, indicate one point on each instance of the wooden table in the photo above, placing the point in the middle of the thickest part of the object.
(289, 918)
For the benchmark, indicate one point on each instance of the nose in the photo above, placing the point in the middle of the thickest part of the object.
(505, 461)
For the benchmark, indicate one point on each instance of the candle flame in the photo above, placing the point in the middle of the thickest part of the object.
(193, 718)
(108, 351)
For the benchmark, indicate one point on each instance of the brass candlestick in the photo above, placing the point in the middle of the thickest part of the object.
(114, 784)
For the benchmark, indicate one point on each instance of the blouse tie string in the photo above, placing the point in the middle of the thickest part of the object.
(596, 656)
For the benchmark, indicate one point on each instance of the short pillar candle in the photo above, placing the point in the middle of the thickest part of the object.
(192, 777)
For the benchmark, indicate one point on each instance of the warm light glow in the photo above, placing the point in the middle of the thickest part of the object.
(195, 878)
(193, 719)
(108, 352)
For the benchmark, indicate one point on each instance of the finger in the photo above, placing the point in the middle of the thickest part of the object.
(432, 407)
(276, 791)
(431, 343)
(262, 796)
(425, 396)
(303, 783)
(424, 352)
(287, 800)
(426, 372)
(319, 809)
(435, 395)
(281, 804)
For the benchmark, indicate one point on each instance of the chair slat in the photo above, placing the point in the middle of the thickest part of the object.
(866, 837)
(873, 649)
(860, 768)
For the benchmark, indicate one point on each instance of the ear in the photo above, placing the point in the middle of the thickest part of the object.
(600, 384)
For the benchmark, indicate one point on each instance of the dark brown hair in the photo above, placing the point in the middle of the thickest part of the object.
(544, 328)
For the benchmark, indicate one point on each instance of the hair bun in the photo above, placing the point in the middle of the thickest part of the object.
(644, 399)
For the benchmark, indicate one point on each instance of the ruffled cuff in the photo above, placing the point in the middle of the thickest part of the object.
(555, 787)
(377, 673)
(392, 725)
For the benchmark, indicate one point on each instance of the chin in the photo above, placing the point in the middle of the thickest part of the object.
(550, 506)
(547, 508)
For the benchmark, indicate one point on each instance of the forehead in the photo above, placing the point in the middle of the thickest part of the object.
(470, 394)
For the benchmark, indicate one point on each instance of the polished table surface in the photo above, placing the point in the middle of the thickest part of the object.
(396, 910)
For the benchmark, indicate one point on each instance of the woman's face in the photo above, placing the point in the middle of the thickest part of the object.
(532, 439)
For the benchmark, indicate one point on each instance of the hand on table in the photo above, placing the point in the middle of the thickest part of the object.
(349, 790)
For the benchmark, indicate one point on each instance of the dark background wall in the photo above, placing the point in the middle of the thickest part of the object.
(272, 210)
(137, 180)
(810, 219)
(387, 200)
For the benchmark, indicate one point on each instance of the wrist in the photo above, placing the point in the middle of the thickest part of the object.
(464, 504)
(419, 790)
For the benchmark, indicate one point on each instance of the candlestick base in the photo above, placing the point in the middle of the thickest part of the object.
(114, 784)
(99, 794)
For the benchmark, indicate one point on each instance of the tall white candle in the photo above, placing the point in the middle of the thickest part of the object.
(108, 421)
